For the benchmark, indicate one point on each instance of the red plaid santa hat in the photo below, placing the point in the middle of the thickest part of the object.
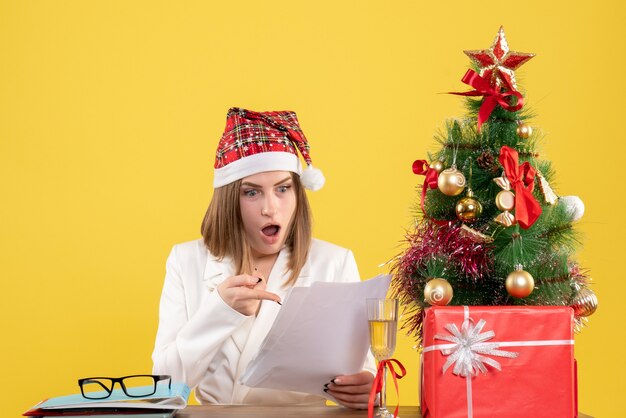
(254, 142)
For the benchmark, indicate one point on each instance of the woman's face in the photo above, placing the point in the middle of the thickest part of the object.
(267, 201)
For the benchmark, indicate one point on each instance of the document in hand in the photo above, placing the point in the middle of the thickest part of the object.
(320, 332)
(118, 403)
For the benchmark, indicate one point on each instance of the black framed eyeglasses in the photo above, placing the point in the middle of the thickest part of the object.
(134, 386)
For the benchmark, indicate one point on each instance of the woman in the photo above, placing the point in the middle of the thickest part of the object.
(222, 293)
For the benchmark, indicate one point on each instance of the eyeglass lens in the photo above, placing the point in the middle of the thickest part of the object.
(96, 388)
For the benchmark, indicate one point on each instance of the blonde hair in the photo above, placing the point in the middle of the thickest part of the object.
(224, 235)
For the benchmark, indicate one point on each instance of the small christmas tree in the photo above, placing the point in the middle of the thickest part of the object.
(489, 229)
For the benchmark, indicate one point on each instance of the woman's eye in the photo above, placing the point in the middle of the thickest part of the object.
(284, 188)
(250, 193)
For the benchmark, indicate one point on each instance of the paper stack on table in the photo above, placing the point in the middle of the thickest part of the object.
(320, 332)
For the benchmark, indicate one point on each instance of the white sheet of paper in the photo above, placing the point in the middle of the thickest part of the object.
(320, 332)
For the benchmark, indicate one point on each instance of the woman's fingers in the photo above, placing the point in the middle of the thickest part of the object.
(351, 401)
(265, 295)
(261, 282)
(256, 294)
(241, 280)
(244, 292)
(362, 378)
(352, 390)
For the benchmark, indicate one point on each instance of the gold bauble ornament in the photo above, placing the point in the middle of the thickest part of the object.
(451, 181)
(505, 200)
(438, 292)
(585, 303)
(468, 209)
(437, 165)
(519, 283)
(524, 131)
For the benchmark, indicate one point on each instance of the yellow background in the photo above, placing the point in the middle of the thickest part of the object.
(110, 112)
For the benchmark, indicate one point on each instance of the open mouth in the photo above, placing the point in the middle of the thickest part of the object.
(270, 230)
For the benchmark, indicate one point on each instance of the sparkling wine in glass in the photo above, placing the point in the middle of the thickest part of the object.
(382, 315)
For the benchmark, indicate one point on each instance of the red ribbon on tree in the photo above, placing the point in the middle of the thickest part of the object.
(420, 167)
(522, 179)
(493, 96)
(378, 384)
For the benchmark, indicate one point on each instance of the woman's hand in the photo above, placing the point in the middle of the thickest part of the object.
(244, 293)
(352, 390)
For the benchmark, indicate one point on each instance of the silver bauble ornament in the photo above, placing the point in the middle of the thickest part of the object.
(574, 206)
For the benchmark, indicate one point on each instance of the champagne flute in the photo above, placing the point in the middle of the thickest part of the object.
(382, 315)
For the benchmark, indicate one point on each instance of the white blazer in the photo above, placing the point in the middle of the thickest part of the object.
(207, 344)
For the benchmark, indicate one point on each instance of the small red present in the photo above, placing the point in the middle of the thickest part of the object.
(498, 362)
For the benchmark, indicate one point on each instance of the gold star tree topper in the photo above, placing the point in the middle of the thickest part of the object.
(498, 63)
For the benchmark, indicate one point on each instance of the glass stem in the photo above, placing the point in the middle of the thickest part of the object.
(383, 390)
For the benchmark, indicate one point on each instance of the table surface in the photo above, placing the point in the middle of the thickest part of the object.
(222, 411)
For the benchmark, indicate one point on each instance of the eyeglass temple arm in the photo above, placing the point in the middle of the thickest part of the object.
(164, 377)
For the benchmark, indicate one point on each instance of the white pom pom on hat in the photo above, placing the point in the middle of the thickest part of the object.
(312, 178)
(254, 142)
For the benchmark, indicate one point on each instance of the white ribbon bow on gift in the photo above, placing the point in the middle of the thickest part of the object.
(466, 352)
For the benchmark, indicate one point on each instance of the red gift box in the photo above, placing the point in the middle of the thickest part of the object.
(533, 346)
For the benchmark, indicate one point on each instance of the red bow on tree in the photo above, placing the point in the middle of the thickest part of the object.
(493, 96)
(421, 167)
(522, 179)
